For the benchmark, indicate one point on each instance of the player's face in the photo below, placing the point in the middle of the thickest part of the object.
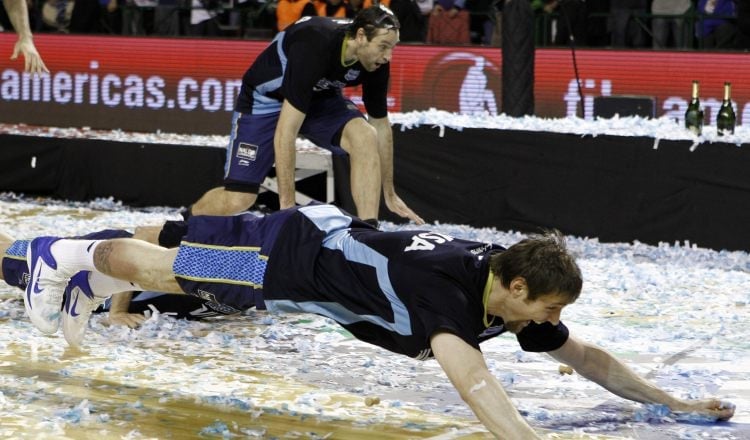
(378, 51)
(521, 311)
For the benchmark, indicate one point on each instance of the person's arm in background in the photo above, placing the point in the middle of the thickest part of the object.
(458, 5)
(18, 13)
(285, 151)
(385, 149)
(599, 366)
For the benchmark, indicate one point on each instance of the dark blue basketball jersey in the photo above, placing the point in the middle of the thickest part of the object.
(391, 289)
(304, 61)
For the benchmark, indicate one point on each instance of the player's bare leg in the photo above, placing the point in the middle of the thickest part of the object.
(136, 261)
(148, 233)
(5, 241)
(219, 201)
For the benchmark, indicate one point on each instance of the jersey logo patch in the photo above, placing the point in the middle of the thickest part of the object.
(492, 331)
(351, 75)
(222, 308)
(424, 354)
(247, 151)
(202, 294)
(325, 84)
(481, 249)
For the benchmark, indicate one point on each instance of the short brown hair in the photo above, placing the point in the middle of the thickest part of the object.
(544, 262)
(371, 19)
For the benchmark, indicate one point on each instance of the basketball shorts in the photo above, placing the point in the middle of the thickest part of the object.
(223, 259)
(250, 154)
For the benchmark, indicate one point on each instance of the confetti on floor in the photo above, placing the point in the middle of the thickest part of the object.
(676, 313)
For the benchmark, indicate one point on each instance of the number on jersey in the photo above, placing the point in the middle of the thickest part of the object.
(426, 241)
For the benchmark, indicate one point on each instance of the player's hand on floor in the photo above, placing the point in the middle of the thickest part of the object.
(131, 320)
(398, 206)
(721, 410)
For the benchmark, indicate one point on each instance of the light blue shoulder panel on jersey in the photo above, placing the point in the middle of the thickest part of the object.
(335, 224)
(262, 104)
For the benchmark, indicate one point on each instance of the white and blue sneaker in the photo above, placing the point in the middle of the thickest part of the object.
(44, 293)
(80, 302)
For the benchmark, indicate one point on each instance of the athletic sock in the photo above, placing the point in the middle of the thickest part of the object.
(75, 254)
(105, 286)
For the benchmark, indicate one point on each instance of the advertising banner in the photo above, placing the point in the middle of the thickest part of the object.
(189, 85)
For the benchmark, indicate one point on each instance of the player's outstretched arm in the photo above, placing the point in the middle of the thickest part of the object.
(465, 367)
(597, 365)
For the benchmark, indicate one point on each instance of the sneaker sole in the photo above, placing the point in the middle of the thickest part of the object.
(50, 323)
(79, 304)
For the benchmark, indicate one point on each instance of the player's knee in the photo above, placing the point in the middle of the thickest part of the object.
(228, 200)
(360, 138)
(238, 201)
(5, 238)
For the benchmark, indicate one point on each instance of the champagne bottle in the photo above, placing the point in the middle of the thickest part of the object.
(726, 119)
(694, 114)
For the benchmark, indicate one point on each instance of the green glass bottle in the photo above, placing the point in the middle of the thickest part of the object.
(726, 119)
(694, 113)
